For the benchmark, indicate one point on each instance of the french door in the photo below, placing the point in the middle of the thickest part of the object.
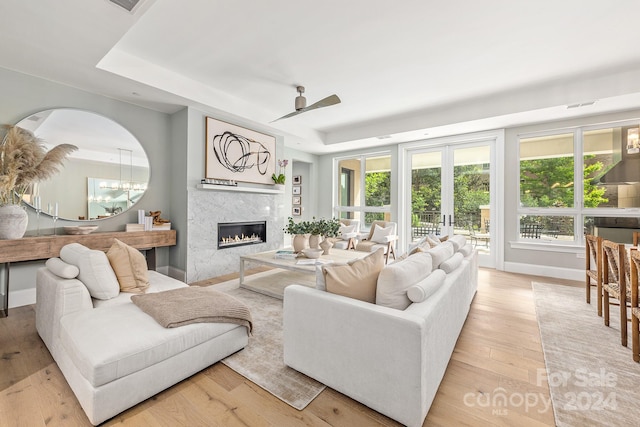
(449, 190)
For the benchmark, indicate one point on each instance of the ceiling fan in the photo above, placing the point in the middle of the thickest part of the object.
(301, 104)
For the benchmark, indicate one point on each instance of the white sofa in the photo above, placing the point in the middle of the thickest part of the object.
(389, 359)
(111, 353)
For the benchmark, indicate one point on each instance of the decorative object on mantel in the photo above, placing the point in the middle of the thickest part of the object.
(280, 178)
(227, 182)
(24, 161)
(80, 229)
(238, 154)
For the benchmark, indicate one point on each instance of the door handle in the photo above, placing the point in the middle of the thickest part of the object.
(444, 220)
(450, 222)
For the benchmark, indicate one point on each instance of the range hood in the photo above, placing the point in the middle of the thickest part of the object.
(627, 170)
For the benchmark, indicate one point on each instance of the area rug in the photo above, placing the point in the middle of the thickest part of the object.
(261, 361)
(592, 378)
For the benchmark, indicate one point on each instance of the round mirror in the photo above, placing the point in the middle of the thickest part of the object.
(106, 176)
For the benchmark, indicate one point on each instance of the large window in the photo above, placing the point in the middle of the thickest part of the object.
(573, 180)
(364, 188)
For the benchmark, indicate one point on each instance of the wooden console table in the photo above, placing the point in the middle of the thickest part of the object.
(44, 247)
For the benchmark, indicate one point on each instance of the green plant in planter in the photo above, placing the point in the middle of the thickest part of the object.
(297, 227)
(328, 227)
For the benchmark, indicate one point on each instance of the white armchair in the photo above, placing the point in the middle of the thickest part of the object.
(385, 238)
(347, 240)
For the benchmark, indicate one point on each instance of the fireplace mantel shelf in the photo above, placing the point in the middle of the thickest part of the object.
(240, 188)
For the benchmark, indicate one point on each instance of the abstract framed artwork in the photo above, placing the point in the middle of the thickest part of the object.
(296, 200)
(239, 154)
(297, 211)
(296, 190)
(297, 179)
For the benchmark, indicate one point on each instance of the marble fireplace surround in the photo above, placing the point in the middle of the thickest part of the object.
(207, 208)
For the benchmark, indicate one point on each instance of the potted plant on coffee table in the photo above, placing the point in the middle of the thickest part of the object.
(300, 233)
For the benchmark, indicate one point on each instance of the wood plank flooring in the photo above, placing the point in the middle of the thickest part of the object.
(498, 352)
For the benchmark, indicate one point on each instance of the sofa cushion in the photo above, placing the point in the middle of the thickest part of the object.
(396, 278)
(158, 283)
(95, 271)
(356, 279)
(458, 241)
(441, 253)
(130, 267)
(452, 263)
(426, 287)
(110, 343)
(62, 269)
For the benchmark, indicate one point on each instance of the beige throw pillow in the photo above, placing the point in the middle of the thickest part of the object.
(356, 279)
(380, 234)
(130, 267)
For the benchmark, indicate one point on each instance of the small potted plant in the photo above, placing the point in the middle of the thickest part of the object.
(300, 233)
(280, 178)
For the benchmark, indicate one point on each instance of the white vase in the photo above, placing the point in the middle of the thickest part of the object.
(300, 242)
(13, 222)
(314, 241)
(326, 245)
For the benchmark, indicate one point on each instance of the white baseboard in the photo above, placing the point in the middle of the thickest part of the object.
(542, 270)
(22, 297)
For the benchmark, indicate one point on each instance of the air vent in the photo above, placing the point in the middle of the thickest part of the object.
(129, 5)
(582, 104)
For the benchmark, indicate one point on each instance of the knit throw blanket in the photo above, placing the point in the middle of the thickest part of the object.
(193, 304)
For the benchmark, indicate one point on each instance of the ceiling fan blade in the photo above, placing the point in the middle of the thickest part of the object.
(295, 113)
(326, 102)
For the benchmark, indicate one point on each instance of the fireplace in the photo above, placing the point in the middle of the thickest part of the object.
(234, 234)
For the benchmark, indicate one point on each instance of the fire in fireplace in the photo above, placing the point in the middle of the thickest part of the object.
(233, 234)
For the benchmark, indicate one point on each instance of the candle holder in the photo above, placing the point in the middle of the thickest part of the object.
(55, 219)
(38, 208)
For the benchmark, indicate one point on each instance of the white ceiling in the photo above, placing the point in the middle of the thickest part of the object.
(403, 69)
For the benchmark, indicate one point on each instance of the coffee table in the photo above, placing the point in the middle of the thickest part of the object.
(268, 258)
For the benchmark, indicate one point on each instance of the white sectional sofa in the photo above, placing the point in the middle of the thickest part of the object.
(111, 353)
(389, 359)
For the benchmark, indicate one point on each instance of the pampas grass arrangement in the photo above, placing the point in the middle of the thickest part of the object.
(24, 161)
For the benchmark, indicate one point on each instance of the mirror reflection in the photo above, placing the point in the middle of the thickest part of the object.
(107, 175)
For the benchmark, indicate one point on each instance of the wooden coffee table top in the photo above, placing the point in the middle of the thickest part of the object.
(335, 256)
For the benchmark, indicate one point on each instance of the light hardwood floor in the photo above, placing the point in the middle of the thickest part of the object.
(498, 351)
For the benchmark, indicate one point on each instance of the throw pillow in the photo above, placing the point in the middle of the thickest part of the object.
(62, 269)
(426, 287)
(356, 279)
(380, 234)
(433, 241)
(458, 241)
(130, 267)
(346, 229)
(441, 253)
(95, 271)
(466, 250)
(396, 278)
(452, 263)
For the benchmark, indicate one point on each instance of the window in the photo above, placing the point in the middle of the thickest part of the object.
(364, 179)
(572, 181)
